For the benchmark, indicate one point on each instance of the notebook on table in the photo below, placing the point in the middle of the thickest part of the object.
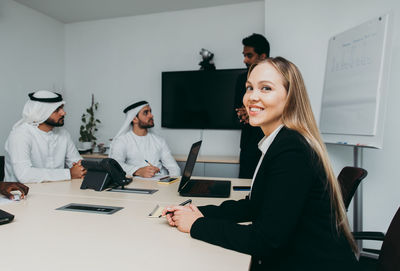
(201, 188)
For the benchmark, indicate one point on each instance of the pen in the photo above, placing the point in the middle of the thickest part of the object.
(165, 177)
(185, 202)
(154, 210)
(181, 204)
(157, 171)
(148, 163)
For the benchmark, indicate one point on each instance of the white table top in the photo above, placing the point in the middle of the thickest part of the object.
(42, 238)
(183, 158)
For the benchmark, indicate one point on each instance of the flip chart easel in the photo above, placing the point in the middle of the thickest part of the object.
(354, 98)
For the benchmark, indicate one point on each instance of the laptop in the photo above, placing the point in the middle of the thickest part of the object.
(201, 188)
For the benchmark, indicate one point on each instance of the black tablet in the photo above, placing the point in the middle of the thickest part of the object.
(5, 217)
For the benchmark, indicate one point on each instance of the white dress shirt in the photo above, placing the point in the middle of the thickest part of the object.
(33, 155)
(131, 151)
(263, 145)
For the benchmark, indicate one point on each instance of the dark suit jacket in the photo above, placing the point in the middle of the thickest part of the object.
(293, 224)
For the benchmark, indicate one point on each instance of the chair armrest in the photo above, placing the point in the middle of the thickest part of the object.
(369, 235)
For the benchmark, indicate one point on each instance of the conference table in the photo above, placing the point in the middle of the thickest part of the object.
(43, 238)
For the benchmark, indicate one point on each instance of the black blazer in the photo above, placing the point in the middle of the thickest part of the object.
(293, 224)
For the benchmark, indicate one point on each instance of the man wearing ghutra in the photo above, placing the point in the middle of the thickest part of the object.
(139, 152)
(38, 148)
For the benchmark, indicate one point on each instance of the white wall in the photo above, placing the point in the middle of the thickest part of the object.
(299, 31)
(121, 60)
(31, 58)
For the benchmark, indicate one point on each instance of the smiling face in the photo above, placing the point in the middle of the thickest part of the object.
(265, 97)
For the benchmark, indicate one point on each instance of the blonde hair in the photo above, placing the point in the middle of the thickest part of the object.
(297, 115)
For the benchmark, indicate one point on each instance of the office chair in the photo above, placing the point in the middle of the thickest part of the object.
(389, 255)
(1, 168)
(349, 179)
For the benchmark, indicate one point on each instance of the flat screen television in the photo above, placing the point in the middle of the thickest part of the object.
(200, 99)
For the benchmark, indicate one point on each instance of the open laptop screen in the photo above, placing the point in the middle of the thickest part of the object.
(191, 161)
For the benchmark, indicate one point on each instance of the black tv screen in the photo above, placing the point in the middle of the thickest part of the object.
(200, 99)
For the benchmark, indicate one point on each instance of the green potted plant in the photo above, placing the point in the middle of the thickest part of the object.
(89, 127)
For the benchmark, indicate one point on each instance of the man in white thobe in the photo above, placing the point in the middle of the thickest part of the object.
(138, 151)
(38, 148)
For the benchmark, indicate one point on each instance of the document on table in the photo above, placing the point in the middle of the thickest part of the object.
(156, 177)
(4, 200)
(156, 213)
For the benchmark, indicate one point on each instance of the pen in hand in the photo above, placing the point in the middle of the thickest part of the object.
(157, 169)
(148, 163)
(181, 204)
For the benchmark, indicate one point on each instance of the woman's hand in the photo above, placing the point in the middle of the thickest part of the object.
(182, 217)
(168, 212)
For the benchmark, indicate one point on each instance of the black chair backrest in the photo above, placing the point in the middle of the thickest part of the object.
(1, 168)
(349, 179)
(389, 258)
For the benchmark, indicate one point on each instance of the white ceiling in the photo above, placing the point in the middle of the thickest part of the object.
(70, 11)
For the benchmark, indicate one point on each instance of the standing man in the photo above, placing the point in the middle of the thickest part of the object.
(38, 148)
(255, 48)
(139, 152)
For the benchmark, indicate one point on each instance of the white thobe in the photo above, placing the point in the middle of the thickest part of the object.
(131, 151)
(33, 155)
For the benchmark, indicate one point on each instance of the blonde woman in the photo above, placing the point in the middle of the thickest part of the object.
(298, 221)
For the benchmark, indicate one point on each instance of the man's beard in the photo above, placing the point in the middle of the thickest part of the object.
(144, 125)
(59, 123)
